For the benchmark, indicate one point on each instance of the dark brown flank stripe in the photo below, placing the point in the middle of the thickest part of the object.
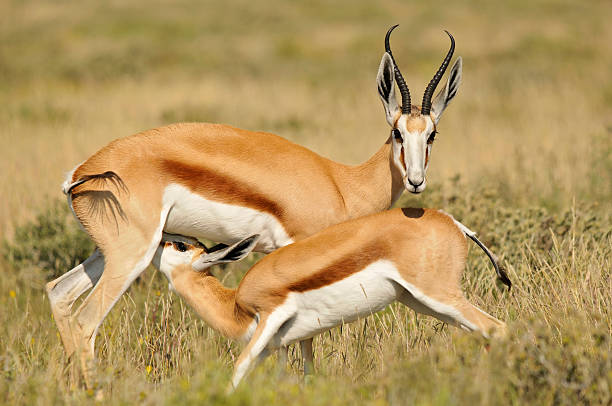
(211, 184)
(342, 268)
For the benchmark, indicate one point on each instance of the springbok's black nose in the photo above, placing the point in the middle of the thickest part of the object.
(416, 184)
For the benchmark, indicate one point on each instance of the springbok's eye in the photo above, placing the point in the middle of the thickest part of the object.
(398, 135)
(432, 137)
(180, 246)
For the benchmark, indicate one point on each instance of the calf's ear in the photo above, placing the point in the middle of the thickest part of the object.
(232, 253)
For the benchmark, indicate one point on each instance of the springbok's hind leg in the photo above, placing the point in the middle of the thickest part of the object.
(457, 311)
(123, 264)
(66, 289)
(127, 251)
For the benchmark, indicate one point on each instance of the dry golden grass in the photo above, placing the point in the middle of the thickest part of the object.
(528, 137)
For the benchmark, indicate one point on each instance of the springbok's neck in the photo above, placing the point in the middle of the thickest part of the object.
(213, 302)
(372, 186)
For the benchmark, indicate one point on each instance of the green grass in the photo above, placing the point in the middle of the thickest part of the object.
(152, 348)
(524, 157)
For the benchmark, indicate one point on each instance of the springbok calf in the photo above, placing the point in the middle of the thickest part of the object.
(349, 270)
(224, 184)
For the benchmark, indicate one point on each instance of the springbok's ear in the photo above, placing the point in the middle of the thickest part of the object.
(229, 254)
(447, 94)
(386, 88)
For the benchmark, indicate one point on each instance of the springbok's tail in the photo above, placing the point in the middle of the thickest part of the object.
(501, 272)
(106, 176)
(111, 202)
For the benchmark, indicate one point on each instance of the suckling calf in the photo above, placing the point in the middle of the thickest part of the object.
(347, 271)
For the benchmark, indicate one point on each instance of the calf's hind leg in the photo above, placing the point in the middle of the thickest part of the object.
(456, 311)
(485, 323)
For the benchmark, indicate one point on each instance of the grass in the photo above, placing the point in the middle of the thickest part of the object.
(524, 157)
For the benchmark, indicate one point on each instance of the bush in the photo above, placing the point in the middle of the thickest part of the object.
(52, 243)
(533, 365)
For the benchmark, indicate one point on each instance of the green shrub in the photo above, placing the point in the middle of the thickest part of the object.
(52, 243)
(533, 365)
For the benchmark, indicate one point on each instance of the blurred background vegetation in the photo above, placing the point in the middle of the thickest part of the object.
(524, 156)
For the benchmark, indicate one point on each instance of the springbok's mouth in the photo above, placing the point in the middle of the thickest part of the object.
(415, 190)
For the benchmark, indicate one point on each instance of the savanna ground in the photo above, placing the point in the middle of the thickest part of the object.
(524, 156)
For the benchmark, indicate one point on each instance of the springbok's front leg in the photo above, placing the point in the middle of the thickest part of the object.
(66, 289)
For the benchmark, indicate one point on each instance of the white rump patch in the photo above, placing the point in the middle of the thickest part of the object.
(463, 228)
(65, 187)
(68, 180)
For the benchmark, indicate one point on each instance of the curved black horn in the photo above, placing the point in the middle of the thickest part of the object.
(401, 83)
(426, 107)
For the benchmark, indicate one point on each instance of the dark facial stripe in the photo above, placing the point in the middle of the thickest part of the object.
(342, 268)
(218, 187)
(402, 159)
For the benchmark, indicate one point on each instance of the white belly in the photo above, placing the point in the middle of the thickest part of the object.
(194, 216)
(361, 294)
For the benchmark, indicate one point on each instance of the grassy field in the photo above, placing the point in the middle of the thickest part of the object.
(524, 157)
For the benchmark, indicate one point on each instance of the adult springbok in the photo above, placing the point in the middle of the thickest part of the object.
(222, 183)
(349, 270)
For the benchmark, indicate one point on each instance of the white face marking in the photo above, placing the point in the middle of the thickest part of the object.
(416, 150)
(196, 216)
(168, 257)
